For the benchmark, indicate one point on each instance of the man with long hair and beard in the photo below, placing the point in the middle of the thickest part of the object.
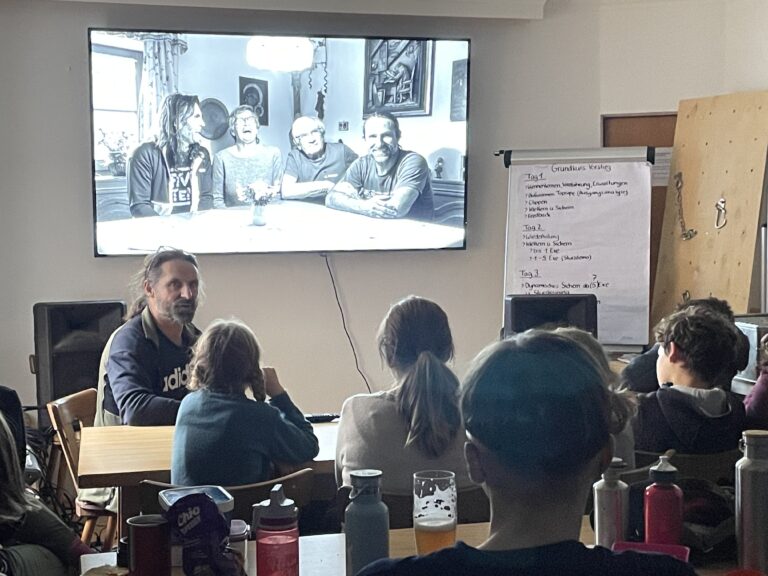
(145, 366)
(144, 369)
(172, 173)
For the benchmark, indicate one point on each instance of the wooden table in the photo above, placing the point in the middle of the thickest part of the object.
(324, 555)
(123, 456)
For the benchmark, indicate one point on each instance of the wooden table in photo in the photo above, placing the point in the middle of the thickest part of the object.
(123, 456)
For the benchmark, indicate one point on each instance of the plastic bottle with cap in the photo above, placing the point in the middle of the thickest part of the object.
(277, 535)
(366, 521)
(663, 505)
(611, 497)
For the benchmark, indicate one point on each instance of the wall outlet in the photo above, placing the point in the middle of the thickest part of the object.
(343, 126)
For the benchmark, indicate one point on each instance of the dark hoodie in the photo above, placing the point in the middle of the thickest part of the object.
(671, 418)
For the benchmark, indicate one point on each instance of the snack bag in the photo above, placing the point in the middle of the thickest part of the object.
(203, 531)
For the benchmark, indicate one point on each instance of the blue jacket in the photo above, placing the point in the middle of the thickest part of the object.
(228, 440)
(145, 374)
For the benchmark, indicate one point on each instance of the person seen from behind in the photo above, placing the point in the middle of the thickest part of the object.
(689, 413)
(415, 425)
(222, 436)
(538, 418)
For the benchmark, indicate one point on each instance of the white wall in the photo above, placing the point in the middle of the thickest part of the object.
(655, 53)
(533, 84)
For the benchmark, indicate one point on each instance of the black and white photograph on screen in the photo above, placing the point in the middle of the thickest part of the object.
(180, 160)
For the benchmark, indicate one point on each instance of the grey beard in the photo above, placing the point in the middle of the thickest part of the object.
(183, 311)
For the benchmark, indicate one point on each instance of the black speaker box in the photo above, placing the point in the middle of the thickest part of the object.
(524, 311)
(69, 339)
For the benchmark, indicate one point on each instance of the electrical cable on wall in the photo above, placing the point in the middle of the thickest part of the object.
(344, 322)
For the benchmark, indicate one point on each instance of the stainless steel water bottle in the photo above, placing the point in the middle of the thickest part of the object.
(752, 501)
(366, 521)
(611, 497)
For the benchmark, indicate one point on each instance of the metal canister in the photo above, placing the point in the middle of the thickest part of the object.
(611, 497)
(752, 501)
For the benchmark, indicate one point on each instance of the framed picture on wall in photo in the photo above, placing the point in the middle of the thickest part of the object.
(398, 76)
(255, 93)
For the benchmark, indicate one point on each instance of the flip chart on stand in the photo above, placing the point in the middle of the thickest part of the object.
(578, 222)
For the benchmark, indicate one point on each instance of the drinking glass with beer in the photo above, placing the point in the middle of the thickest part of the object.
(434, 510)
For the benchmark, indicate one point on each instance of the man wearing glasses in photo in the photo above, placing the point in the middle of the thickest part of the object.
(314, 166)
(247, 169)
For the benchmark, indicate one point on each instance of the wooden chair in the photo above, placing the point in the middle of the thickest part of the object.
(716, 467)
(472, 504)
(296, 486)
(68, 415)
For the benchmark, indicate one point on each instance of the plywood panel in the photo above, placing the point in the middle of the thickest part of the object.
(720, 150)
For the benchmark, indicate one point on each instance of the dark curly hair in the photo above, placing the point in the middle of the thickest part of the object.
(707, 341)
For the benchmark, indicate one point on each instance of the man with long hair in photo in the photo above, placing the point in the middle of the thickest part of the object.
(172, 173)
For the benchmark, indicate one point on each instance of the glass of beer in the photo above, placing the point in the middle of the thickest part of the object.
(434, 510)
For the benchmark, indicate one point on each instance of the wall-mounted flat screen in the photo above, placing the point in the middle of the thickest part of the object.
(229, 143)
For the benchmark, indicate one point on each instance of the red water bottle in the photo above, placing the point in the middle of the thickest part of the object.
(277, 535)
(663, 505)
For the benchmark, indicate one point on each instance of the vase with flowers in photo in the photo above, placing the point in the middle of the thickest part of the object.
(258, 199)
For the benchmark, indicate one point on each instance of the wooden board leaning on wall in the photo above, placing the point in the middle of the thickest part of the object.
(713, 205)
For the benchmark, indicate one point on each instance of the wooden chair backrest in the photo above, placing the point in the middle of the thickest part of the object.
(68, 415)
(297, 486)
(716, 467)
(473, 506)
